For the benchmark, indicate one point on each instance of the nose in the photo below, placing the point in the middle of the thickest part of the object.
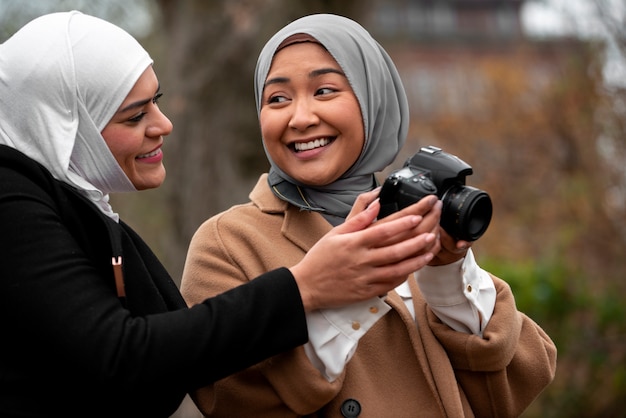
(161, 125)
(304, 115)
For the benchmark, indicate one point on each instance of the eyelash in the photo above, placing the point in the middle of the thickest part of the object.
(325, 90)
(139, 117)
(320, 91)
(276, 99)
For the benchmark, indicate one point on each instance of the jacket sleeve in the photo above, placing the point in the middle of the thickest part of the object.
(505, 370)
(235, 248)
(53, 295)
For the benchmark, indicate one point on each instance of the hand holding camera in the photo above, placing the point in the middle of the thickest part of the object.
(466, 211)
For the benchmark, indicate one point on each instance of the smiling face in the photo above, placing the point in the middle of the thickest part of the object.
(135, 133)
(310, 118)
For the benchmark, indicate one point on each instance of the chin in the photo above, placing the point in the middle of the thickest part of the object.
(147, 185)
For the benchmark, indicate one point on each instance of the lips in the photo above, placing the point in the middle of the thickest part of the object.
(307, 146)
(150, 154)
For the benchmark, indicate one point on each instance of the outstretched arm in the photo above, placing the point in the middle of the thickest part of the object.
(359, 260)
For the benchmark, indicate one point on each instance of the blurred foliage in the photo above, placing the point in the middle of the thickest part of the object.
(586, 322)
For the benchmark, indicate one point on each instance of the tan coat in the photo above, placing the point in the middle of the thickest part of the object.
(399, 369)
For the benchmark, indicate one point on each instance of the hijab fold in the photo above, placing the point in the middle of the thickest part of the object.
(379, 91)
(62, 78)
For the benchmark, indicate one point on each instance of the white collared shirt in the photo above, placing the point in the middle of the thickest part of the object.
(461, 294)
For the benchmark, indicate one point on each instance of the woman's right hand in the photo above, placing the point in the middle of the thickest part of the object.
(360, 259)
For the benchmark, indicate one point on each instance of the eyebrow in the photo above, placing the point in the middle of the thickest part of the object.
(312, 74)
(139, 103)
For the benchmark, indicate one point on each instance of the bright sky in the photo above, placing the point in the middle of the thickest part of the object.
(553, 17)
(546, 18)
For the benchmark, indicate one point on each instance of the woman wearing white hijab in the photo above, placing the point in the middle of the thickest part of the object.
(92, 324)
(332, 113)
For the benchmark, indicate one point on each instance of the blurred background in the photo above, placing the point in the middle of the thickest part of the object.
(532, 94)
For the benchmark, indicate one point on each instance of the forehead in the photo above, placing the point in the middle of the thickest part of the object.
(303, 55)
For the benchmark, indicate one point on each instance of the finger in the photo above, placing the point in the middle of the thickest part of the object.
(363, 201)
(389, 233)
(421, 207)
(359, 221)
(392, 275)
(462, 245)
(400, 251)
(452, 245)
(429, 223)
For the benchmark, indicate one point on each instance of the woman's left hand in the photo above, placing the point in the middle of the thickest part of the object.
(451, 250)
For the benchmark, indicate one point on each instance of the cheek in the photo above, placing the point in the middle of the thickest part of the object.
(350, 122)
(267, 127)
(271, 132)
(120, 142)
(113, 139)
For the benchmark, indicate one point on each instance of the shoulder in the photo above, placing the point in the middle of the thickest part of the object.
(19, 172)
(25, 180)
(264, 210)
(240, 223)
(263, 197)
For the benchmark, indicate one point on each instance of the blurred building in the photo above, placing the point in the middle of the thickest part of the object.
(449, 52)
(449, 20)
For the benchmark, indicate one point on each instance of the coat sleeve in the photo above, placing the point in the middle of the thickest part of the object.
(235, 248)
(55, 296)
(505, 370)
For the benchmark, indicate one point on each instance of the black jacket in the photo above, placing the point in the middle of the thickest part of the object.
(71, 347)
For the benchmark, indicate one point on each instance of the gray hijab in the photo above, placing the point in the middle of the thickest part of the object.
(62, 77)
(384, 108)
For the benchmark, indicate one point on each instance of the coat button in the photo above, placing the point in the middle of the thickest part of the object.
(350, 408)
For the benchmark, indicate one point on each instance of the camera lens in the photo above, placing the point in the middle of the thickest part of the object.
(466, 212)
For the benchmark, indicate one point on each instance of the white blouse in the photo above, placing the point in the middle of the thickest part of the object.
(461, 294)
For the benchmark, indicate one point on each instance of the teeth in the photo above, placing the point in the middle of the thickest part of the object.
(150, 154)
(305, 146)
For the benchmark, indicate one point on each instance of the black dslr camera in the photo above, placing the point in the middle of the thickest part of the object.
(466, 211)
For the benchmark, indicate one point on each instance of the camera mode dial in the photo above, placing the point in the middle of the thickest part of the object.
(423, 184)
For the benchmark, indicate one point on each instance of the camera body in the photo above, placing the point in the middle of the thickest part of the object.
(466, 211)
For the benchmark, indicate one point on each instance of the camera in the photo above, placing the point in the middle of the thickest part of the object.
(466, 211)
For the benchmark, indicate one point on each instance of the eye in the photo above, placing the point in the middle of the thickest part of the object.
(137, 118)
(324, 90)
(155, 99)
(276, 99)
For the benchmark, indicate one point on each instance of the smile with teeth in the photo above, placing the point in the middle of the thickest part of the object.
(150, 154)
(306, 146)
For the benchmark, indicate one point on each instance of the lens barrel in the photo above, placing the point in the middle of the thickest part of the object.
(466, 212)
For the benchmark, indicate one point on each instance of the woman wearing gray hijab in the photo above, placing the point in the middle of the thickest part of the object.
(447, 342)
(92, 324)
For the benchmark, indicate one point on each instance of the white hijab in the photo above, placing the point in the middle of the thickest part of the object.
(62, 78)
